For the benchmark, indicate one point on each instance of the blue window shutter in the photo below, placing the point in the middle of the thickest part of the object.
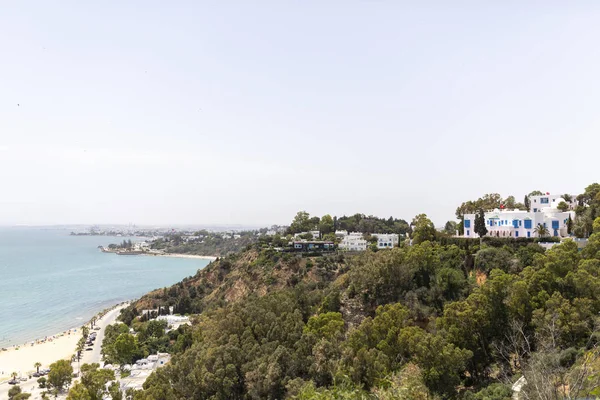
(528, 234)
(527, 224)
(554, 224)
(516, 233)
(467, 223)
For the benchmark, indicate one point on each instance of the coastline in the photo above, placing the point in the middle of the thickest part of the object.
(61, 346)
(175, 255)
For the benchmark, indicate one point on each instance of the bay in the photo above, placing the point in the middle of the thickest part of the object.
(51, 281)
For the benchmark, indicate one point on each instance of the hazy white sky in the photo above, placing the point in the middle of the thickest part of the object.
(246, 112)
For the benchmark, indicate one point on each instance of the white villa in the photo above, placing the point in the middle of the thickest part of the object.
(386, 240)
(519, 223)
(354, 241)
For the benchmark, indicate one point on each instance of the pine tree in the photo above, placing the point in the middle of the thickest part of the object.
(527, 203)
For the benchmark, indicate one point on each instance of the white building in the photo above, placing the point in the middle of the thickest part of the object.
(518, 223)
(354, 241)
(386, 240)
(316, 235)
(538, 203)
(341, 234)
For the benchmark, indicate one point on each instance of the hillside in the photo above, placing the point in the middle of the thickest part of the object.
(251, 272)
(443, 318)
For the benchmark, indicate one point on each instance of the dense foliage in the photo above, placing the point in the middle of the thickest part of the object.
(446, 318)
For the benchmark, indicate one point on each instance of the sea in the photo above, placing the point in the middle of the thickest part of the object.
(51, 281)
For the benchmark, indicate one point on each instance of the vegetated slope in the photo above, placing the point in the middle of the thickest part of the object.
(420, 322)
(252, 272)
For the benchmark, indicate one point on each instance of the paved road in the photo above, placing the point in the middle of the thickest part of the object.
(30, 386)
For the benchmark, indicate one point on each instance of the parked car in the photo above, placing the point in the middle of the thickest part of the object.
(13, 382)
(89, 349)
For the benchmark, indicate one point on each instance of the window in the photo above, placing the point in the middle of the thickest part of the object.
(554, 225)
(515, 223)
(544, 200)
(527, 224)
(528, 234)
(468, 233)
(516, 233)
(535, 210)
(467, 223)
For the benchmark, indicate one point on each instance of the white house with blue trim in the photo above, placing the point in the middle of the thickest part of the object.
(519, 223)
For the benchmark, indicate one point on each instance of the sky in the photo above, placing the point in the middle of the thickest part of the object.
(211, 112)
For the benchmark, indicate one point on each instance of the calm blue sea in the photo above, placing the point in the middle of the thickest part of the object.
(50, 281)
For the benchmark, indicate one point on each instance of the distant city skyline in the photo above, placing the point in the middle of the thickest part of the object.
(245, 113)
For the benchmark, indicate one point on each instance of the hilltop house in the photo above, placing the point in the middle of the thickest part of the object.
(354, 241)
(386, 240)
(519, 223)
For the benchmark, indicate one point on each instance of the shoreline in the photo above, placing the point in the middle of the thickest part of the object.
(177, 255)
(61, 346)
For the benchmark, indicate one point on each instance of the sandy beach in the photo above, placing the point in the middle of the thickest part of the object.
(20, 359)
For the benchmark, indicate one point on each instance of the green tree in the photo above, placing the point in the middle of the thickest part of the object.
(327, 325)
(326, 224)
(42, 382)
(15, 393)
(480, 227)
(126, 348)
(37, 366)
(450, 228)
(495, 391)
(301, 223)
(563, 206)
(423, 229)
(79, 392)
(527, 203)
(570, 225)
(95, 379)
(60, 374)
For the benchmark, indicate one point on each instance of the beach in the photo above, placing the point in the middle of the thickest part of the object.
(20, 359)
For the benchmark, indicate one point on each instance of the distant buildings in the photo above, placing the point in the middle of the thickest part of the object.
(518, 223)
(354, 241)
(313, 246)
(386, 240)
(315, 234)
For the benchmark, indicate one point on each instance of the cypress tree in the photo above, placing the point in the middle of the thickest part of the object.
(480, 228)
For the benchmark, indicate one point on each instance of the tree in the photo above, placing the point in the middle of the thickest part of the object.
(37, 366)
(94, 382)
(125, 348)
(15, 393)
(423, 229)
(326, 224)
(60, 374)
(563, 206)
(480, 227)
(542, 231)
(450, 228)
(570, 225)
(42, 382)
(301, 223)
(79, 392)
(527, 203)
